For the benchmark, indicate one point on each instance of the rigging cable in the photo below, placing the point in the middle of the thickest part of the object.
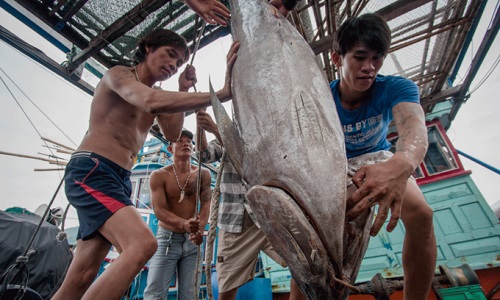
(198, 181)
(39, 109)
(20, 268)
(486, 76)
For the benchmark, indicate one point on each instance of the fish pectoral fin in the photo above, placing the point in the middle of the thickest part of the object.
(356, 238)
(233, 143)
(295, 240)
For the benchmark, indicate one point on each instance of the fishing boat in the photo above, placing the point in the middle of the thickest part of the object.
(467, 229)
(429, 44)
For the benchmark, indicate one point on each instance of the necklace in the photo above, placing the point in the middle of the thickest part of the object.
(136, 75)
(181, 188)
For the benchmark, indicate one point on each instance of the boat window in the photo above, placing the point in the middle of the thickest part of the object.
(418, 173)
(144, 199)
(439, 157)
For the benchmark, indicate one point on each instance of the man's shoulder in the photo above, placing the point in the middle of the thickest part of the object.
(162, 170)
(194, 168)
(118, 72)
(334, 83)
(391, 80)
(396, 89)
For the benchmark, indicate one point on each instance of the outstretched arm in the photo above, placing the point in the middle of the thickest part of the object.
(121, 80)
(212, 11)
(171, 124)
(385, 183)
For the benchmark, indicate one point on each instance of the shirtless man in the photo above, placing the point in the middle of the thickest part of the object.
(173, 190)
(97, 178)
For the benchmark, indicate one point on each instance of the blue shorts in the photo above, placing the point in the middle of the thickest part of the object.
(96, 187)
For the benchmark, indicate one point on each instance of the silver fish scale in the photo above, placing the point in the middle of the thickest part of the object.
(289, 145)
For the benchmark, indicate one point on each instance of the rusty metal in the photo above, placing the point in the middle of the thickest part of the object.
(382, 288)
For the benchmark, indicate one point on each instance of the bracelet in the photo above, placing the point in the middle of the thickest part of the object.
(289, 4)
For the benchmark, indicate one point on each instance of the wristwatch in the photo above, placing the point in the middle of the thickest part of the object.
(290, 4)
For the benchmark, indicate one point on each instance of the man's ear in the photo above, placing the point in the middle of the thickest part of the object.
(336, 59)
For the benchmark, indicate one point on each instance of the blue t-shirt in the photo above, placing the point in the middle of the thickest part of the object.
(365, 128)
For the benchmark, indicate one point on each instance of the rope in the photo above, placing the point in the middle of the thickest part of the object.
(196, 48)
(61, 235)
(198, 180)
(38, 108)
(209, 249)
(20, 268)
(18, 272)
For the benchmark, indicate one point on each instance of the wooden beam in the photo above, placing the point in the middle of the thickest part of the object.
(121, 26)
(43, 60)
(73, 10)
(442, 95)
(388, 13)
(400, 8)
(41, 12)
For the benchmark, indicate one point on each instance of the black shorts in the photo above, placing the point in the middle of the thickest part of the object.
(96, 187)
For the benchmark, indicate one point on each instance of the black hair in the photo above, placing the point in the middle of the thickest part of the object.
(369, 29)
(157, 38)
(187, 133)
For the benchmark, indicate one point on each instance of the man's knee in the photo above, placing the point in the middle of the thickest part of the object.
(149, 246)
(419, 218)
(83, 277)
(140, 250)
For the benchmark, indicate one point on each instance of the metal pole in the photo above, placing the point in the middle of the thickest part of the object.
(487, 166)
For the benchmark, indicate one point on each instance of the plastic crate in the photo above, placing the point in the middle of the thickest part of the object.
(468, 292)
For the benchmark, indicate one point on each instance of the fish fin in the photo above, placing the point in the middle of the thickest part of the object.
(233, 143)
(295, 240)
(356, 238)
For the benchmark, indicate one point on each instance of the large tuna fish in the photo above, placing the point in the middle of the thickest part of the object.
(286, 142)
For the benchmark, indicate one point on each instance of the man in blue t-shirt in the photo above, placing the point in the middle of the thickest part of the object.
(367, 103)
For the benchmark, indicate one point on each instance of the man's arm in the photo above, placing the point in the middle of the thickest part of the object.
(171, 124)
(205, 121)
(284, 6)
(213, 151)
(121, 80)
(412, 142)
(212, 11)
(160, 206)
(205, 197)
(385, 183)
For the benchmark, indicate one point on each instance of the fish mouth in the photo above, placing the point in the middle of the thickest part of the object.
(298, 200)
(301, 204)
(296, 237)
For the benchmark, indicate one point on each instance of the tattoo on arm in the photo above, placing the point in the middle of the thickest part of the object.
(206, 190)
